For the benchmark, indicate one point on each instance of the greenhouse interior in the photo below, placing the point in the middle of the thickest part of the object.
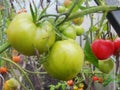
(59, 44)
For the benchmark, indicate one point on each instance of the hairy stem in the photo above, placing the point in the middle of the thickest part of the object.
(93, 9)
(20, 69)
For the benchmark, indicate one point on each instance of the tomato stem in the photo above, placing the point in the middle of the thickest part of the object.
(20, 69)
(93, 9)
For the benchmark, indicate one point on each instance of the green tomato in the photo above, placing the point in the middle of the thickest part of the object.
(106, 66)
(64, 26)
(11, 84)
(65, 60)
(26, 37)
(79, 30)
(69, 32)
(78, 21)
(61, 9)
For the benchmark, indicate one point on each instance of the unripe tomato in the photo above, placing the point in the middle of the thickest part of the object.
(75, 87)
(16, 59)
(65, 60)
(102, 49)
(3, 70)
(69, 33)
(26, 36)
(62, 9)
(70, 82)
(81, 85)
(106, 66)
(11, 84)
(79, 29)
(78, 21)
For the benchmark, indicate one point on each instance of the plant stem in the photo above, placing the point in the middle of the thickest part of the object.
(20, 69)
(93, 9)
(4, 47)
(68, 13)
(34, 72)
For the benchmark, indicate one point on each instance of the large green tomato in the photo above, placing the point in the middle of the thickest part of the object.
(106, 66)
(26, 37)
(65, 60)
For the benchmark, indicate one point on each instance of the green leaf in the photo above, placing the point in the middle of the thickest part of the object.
(107, 81)
(89, 56)
(32, 12)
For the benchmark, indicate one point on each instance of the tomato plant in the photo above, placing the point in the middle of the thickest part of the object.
(43, 36)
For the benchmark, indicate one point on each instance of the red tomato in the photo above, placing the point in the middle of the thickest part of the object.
(3, 70)
(102, 49)
(16, 59)
(22, 10)
(100, 80)
(116, 46)
(70, 82)
(95, 78)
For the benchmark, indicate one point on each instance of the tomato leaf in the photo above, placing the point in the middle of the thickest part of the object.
(108, 80)
(89, 56)
(32, 12)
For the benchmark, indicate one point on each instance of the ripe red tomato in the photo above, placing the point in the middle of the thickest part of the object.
(95, 78)
(100, 80)
(102, 49)
(70, 82)
(3, 70)
(116, 46)
(16, 59)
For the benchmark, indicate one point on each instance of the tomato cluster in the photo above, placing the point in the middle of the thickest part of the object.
(103, 49)
(70, 31)
(97, 79)
(30, 38)
(79, 86)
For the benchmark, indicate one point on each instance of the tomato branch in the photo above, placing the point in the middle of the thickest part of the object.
(68, 13)
(93, 9)
(20, 69)
(4, 47)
